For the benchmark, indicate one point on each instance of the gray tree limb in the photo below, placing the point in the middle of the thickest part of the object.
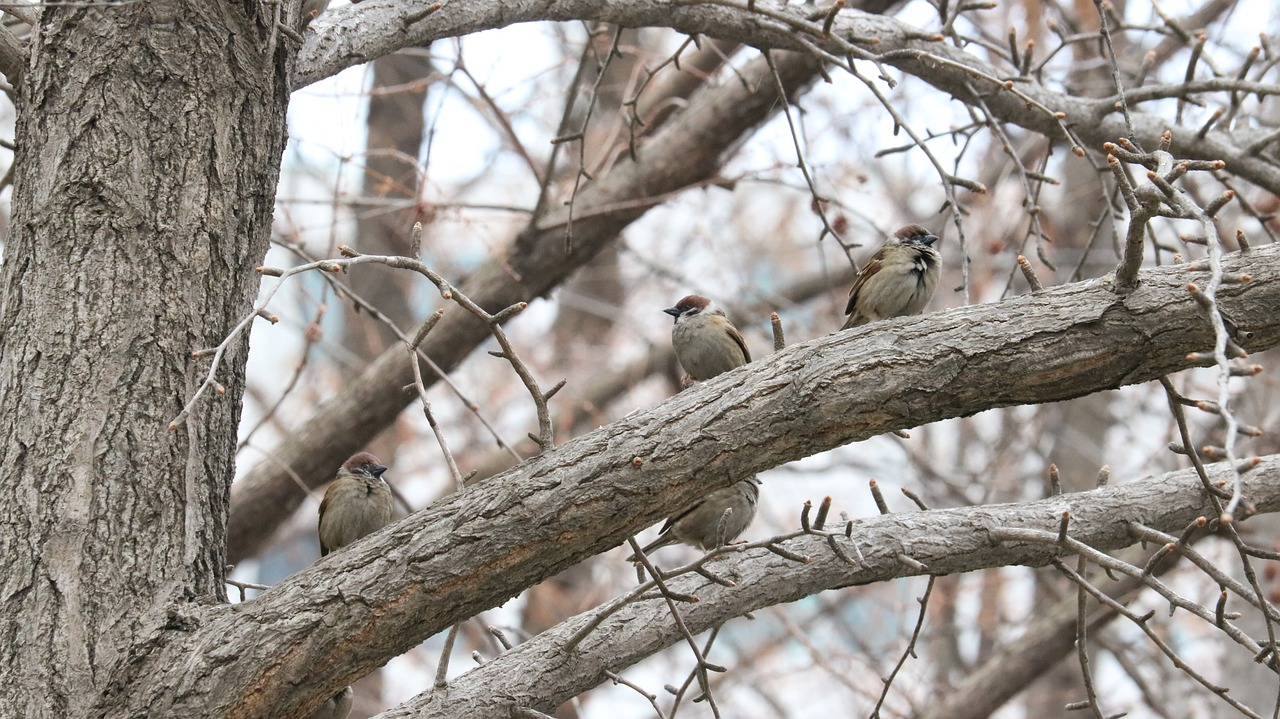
(320, 629)
(360, 33)
(13, 56)
(540, 673)
(689, 148)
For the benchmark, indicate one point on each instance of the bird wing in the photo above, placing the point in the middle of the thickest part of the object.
(742, 345)
(671, 522)
(323, 504)
(869, 269)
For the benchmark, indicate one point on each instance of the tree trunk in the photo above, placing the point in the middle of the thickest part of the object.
(148, 149)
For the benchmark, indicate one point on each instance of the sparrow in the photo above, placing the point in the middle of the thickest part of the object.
(898, 280)
(358, 503)
(311, 9)
(699, 525)
(706, 342)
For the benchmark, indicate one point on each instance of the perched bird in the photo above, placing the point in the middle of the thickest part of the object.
(356, 504)
(699, 525)
(898, 280)
(706, 342)
(311, 10)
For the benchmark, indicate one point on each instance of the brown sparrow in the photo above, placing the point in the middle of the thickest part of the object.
(706, 342)
(699, 525)
(311, 9)
(898, 280)
(358, 503)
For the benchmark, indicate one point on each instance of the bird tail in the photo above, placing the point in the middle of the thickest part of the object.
(662, 541)
(855, 320)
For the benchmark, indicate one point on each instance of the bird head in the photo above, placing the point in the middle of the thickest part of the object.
(366, 464)
(691, 306)
(915, 235)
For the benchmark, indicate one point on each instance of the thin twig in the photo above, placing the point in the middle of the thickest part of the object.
(909, 652)
(442, 668)
(703, 665)
(1082, 642)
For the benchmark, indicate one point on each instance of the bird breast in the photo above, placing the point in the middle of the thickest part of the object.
(704, 346)
(909, 298)
(366, 508)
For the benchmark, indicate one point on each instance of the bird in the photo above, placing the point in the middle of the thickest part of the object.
(311, 9)
(705, 341)
(358, 503)
(700, 524)
(898, 280)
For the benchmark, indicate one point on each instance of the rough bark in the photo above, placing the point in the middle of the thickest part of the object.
(470, 551)
(364, 32)
(688, 149)
(147, 156)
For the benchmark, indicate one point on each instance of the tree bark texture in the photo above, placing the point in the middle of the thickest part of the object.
(148, 150)
(470, 551)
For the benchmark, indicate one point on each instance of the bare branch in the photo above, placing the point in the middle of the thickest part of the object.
(688, 149)
(475, 548)
(642, 628)
(364, 32)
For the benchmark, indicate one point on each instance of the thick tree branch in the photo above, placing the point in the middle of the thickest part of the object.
(946, 541)
(582, 414)
(354, 610)
(687, 149)
(351, 35)
(13, 56)
(377, 27)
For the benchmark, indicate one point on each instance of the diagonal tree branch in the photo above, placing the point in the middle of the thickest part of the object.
(379, 26)
(13, 56)
(472, 550)
(946, 541)
(687, 149)
(267, 494)
(581, 415)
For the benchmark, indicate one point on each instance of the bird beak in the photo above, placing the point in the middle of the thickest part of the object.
(928, 240)
(672, 311)
(377, 471)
